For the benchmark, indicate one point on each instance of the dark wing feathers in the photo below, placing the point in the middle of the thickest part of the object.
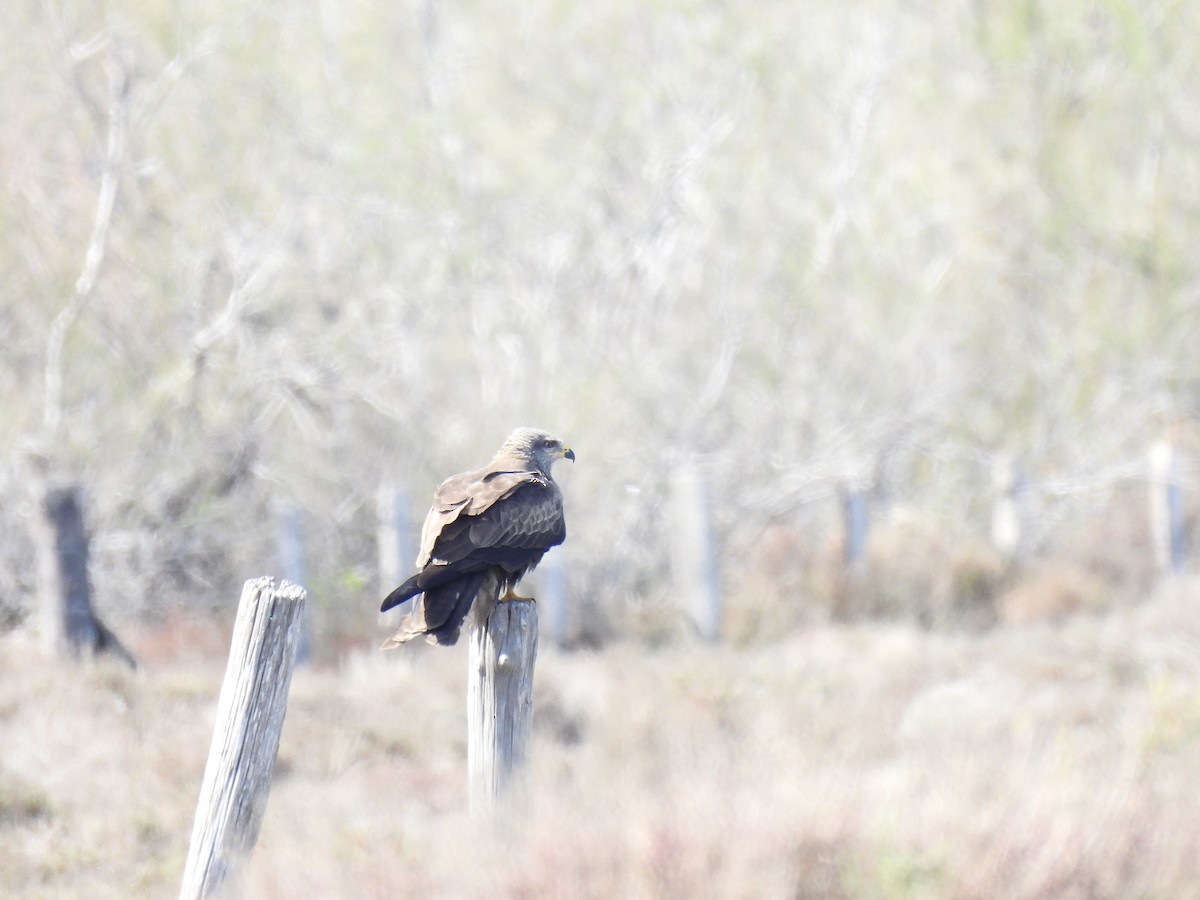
(410, 588)
(529, 515)
(532, 518)
(440, 612)
(479, 521)
(445, 606)
(470, 494)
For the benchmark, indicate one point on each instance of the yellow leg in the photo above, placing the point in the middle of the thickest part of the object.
(509, 597)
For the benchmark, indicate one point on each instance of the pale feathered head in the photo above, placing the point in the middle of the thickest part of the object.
(539, 449)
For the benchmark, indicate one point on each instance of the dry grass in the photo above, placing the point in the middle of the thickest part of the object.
(847, 761)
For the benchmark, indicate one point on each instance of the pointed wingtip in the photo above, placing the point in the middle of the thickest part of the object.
(443, 638)
(403, 635)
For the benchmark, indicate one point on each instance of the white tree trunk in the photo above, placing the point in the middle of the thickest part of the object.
(1166, 507)
(693, 556)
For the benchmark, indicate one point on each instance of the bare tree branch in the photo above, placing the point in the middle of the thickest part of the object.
(847, 163)
(118, 108)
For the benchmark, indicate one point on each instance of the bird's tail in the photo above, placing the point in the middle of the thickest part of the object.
(410, 588)
(439, 612)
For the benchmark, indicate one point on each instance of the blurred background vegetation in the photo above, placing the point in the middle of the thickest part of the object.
(869, 246)
(933, 264)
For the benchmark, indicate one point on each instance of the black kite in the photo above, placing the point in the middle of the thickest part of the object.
(486, 529)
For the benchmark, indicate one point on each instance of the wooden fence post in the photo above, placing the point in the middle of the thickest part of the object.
(552, 598)
(1166, 507)
(856, 524)
(289, 537)
(500, 701)
(693, 557)
(237, 778)
(396, 543)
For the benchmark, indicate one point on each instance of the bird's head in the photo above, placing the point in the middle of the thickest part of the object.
(540, 448)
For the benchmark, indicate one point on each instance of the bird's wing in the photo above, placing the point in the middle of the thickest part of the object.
(472, 495)
(530, 518)
(527, 517)
(439, 612)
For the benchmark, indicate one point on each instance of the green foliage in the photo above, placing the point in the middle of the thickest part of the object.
(894, 873)
(21, 805)
(1174, 716)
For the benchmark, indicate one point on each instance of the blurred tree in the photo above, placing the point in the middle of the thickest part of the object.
(350, 244)
(70, 628)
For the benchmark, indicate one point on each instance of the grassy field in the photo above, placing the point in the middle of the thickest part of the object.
(846, 761)
(292, 257)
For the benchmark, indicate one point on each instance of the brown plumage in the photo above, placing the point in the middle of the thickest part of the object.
(486, 529)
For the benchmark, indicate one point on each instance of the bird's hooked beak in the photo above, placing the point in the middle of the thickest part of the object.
(568, 453)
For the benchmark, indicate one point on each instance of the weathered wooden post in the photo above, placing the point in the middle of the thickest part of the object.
(1166, 507)
(250, 712)
(693, 557)
(503, 650)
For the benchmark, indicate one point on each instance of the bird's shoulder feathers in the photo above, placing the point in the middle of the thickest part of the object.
(472, 494)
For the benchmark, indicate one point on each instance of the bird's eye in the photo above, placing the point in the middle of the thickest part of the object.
(547, 443)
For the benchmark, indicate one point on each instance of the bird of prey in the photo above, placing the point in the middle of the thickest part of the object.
(486, 529)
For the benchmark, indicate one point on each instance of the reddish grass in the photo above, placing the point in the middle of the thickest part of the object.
(846, 761)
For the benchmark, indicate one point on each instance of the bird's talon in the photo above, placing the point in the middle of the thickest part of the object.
(510, 597)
